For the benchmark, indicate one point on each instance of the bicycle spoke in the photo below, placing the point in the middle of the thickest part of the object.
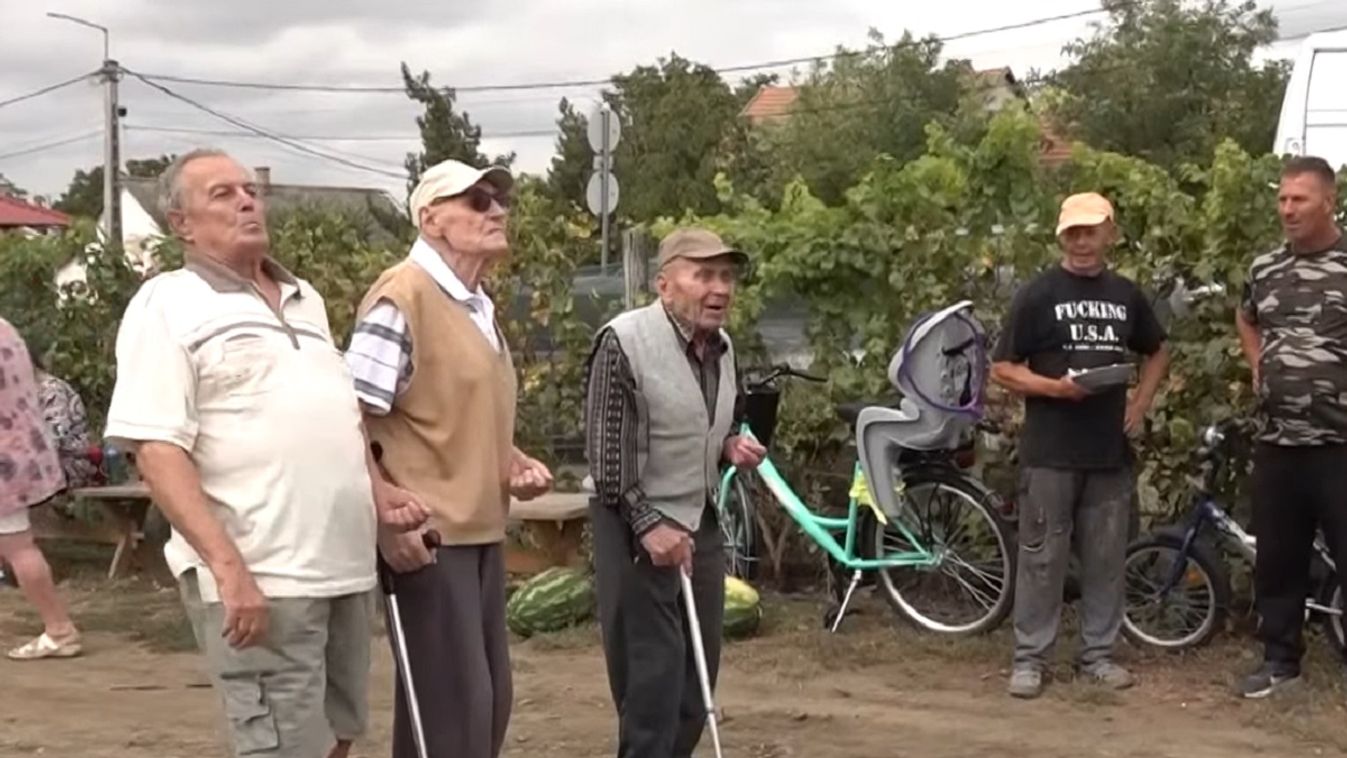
(992, 579)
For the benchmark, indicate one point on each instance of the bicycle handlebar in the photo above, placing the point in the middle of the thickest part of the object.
(778, 371)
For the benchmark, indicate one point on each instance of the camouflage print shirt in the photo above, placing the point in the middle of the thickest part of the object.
(1299, 303)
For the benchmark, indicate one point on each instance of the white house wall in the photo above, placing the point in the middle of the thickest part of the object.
(139, 232)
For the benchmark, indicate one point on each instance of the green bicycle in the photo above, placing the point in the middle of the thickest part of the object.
(933, 536)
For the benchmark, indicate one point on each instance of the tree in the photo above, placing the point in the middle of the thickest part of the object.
(84, 196)
(10, 189)
(149, 168)
(675, 116)
(445, 133)
(1168, 81)
(574, 161)
(861, 105)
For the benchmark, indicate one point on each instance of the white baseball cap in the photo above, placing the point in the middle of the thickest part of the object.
(451, 177)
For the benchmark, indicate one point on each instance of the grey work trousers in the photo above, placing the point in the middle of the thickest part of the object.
(1064, 511)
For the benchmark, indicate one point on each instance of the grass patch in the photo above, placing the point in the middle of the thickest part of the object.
(571, 638)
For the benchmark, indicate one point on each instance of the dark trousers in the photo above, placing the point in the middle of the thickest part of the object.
(1295, 490)
(453, 616)
(651, 668)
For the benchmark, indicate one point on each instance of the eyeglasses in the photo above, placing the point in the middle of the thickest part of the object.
(480, 200)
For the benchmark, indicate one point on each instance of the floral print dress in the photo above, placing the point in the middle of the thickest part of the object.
(30, 471)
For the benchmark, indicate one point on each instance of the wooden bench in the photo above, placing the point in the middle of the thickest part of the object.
(552, 527)
(555, 525)
(119, 519)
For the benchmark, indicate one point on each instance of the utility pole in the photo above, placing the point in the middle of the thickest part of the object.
(111, 73)
(112, 154)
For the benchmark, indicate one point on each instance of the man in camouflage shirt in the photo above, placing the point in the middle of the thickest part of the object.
(1293, 330)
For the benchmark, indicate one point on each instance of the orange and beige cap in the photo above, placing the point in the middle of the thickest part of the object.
(1084, 209)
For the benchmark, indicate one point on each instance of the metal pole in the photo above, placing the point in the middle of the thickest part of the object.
(107, 50)
(699, 659)
(606, 159)
(112, 158)
(112, 142)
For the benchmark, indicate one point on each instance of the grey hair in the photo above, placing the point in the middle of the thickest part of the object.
(170, 189)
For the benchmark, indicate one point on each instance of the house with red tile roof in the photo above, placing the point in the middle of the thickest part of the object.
(18, 215)
(773, 104)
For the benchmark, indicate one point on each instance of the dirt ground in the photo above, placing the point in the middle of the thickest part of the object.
(876, 689)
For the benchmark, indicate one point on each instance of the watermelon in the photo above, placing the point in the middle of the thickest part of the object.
(743, 609)
(551, 601)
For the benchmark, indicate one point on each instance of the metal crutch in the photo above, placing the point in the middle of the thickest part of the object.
(699, 657)
(388, 582)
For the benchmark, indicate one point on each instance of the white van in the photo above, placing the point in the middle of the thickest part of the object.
(1314, 112)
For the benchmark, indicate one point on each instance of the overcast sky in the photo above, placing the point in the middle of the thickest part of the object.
(462, 43)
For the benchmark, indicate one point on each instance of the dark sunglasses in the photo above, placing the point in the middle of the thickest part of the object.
(480, 200)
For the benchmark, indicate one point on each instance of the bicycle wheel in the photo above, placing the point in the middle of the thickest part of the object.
(739, 530)
(970, 588)
(1191, 612)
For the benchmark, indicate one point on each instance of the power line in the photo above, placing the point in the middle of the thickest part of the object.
(261, 132)
(565, 84)
(330, 137)
(45, 90)
(870, 104)
(235, 133)
(52, 145)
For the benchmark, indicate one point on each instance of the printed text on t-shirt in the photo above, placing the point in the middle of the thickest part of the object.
(1083, 320)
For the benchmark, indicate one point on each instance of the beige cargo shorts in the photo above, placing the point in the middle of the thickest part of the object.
(300, 690)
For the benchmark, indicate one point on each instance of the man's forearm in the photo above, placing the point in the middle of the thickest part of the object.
(175, 486)
(1250, 341)
(377, 475)
(1153, 370)
(1020, 379)
(612, 426)
(520, 457)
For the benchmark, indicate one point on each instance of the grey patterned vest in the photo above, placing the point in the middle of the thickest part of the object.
(680, 458)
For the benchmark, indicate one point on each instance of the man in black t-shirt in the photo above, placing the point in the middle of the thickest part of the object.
(1076, 478)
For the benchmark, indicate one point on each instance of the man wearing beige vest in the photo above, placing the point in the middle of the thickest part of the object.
(434, 375)
(661, 409)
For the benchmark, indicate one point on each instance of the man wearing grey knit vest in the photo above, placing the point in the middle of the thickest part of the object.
(662, 404)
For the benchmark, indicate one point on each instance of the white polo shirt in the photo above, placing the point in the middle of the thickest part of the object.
(263, 403)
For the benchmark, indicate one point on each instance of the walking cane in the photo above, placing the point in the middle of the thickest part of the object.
(388, 582)
(699, 657)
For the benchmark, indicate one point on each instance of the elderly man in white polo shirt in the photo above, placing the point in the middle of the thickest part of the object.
(240, 413)
(433, 372)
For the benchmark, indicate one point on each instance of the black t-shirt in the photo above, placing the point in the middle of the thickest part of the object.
(1061, 321)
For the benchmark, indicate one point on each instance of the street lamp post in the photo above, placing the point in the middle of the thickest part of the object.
(91, 25)
(112, 159)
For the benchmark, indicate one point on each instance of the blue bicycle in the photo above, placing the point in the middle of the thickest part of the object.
(1177, 586)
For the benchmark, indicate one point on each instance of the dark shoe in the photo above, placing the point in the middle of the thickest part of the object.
(1268, 681)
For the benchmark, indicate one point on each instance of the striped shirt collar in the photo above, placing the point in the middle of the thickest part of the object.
(429, 259)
